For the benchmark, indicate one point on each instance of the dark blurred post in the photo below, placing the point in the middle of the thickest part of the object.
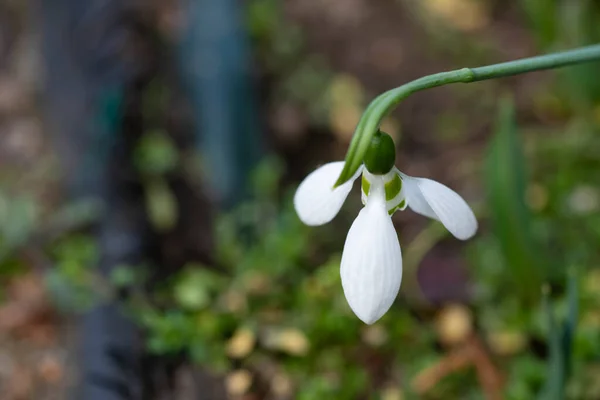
(96, 72)
(92, 85)
(217, 67)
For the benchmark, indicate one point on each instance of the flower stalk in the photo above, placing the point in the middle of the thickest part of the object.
(383, 104)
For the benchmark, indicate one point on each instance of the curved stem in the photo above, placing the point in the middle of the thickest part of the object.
(381, 105)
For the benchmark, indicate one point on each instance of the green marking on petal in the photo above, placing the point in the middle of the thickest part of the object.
(393, 187)
(393, 210)
(398, 207)
(366, 186)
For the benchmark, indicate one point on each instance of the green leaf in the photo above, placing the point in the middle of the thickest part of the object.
(266, 177)
(74, 215)
(68, 294)
(156, 154)
(193, 290)
(161, 205)
(560, 342)
(570, 324)
(554, 387)
(579, 26)
(123, 276)
(506, 185)
(19, 220)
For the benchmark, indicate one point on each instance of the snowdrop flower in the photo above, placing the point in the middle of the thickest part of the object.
(371, 267)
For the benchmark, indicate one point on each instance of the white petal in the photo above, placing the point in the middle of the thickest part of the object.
(434, 200)
(371, 267)
(316, 201)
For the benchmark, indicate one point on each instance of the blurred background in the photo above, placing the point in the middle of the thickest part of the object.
(149, 152)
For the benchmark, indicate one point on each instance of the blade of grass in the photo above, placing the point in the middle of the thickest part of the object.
(560, 341)
(506, 184)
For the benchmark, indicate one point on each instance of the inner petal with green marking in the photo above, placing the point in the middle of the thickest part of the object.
(394, 195)
(393, 187)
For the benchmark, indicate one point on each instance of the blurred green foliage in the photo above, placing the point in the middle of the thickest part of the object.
(301, 77)
(73, 282)
(569, 23)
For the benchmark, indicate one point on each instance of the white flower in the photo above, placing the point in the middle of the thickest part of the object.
(371, 267)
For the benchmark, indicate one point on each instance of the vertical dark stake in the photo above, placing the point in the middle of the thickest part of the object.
(92, 91)
(215, 57)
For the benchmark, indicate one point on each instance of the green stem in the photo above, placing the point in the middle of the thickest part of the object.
(381, 105)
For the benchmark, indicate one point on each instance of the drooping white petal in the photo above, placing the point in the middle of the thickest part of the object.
(434, 200)
(371, 267)
(316, 201)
